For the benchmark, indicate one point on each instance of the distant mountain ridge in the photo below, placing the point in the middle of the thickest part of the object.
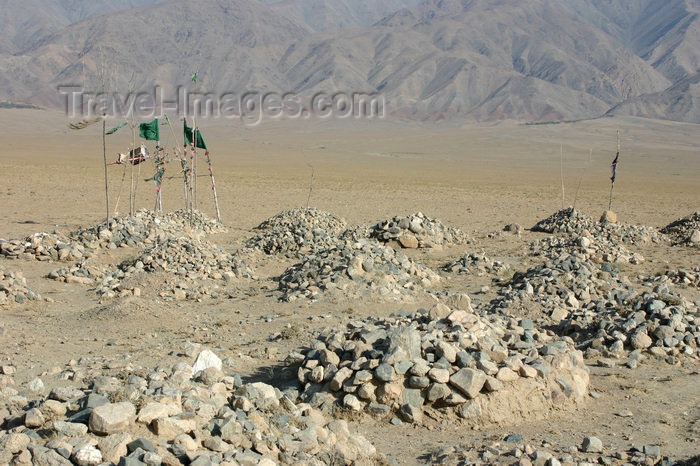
(472, 60)
(28, 22)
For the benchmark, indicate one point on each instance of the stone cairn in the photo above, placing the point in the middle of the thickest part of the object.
(297, 233)
(580, 291)
(455, 361)
(567, 281)
(85, 272)
(572, 222)
(685, 231)
(13, 288)
(659, 323)
(354, 269)
(513, 449)
(188, 414)
(43, 247)
(588, 246)
(686, 277)
(143, 229)
(567, 220)
(188, 259)
(417, 231)
(475, 264)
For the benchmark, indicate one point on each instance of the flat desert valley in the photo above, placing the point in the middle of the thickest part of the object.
(476, 179)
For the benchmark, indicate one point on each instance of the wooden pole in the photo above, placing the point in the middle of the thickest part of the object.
(104, 156)
(183, 160)
(194, 145)
(119, 195)
(213, 187)
(138, 173)
(561, 169)
(311, 185)
(617, 160)
(133, 154)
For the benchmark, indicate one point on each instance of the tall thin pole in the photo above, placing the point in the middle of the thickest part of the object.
(561, 169)
(213, 187)
(311, 185)
(141, 158)
(614, 170)
(104, 156)
(194, 142)
(131, 162)
(183, 159)
(132, 201)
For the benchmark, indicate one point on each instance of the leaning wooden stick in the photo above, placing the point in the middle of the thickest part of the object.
(213, 186)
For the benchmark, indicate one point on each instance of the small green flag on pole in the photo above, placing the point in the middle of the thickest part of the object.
(116, 128)
(188, 137)
(150, 131)
(194, 76)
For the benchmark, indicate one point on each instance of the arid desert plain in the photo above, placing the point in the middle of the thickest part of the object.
(387, 326)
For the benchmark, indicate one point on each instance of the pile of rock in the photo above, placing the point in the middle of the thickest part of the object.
(658, 322)
(187, 258)
(514, 450)
(572, 222)
(567, 220)
(626, 233)
(355, 269)
(193, 220)
(145, 228)
(418, 231)
(476, 264)
(569, 280)
(43, 247)
(688, 277)
(13, 288)
(85, 272)
(685, 230)
(586, 245)
(193, 291)
(485, 369)
(189, 414)
(298, 232)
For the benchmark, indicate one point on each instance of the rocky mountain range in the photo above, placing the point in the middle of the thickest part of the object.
(432, 60)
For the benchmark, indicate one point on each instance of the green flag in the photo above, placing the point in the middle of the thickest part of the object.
(188, 137)
(195, 76)
(150, 131)
(116, 128)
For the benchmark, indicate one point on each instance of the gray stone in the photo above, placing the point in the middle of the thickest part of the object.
(468, 381)
(69, 429)
(592, 445)
(384, 372)
(141, 443)
(112, 418)
(412, 397)
(407, 339)
(411, 413)
(437, 391)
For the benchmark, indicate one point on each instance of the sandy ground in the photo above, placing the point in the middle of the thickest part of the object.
(476, 178)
